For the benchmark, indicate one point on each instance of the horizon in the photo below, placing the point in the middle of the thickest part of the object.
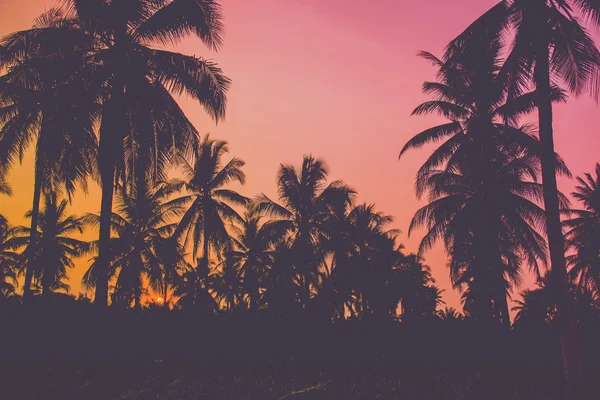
(368, 79)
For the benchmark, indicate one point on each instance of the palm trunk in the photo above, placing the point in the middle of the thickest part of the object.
(33, 233)
(487, 227)
(568, 335)
(503, 304)
(111, 134)
(107, 173)
(165, 292)
(46, 282)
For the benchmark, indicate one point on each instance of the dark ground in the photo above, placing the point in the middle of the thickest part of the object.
(186, 380)
(80, 353)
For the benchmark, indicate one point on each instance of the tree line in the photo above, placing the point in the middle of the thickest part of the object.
(90, 90)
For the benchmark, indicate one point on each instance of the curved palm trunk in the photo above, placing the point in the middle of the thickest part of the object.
(33, 233)
(568, 335)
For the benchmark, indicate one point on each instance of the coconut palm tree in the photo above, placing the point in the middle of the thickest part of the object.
(487, 249)
(138, 227)
(46, 99)
(363, 252)
(548, 43)
(210, 204)
(487, 163)
(307, 204)
(166, 267)
(538, 307)
(583, 232)
(9, 260)
(5, 187)
(420, 297)
(450, 314)
(139, 81)
(253, 253)
(470, 93)
(56, 248)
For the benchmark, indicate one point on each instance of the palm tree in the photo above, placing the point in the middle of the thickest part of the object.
(140, 224)
(139, 114)
(56, 248)
(166, 268)
(227, 287)
(583, 232)
(307, 205)
(45, 97)
(450, 314)
(363, 254)
(548, 44)
(420, 297)
(538, 307)
(211, 205)
(5, 187)
(481, 180)
(9, 260)
(253, 253)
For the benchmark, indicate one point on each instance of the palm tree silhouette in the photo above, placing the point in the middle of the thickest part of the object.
(47, 99)
(166, 267)
(9, 260)
(210, 206)
(583, 231)
(253, 253)
(137, 82)
(536, 308)
(56, 248)
(363, 249)
(139, 224)
(307, 205)
(420, 297)
(548, 44)
(5, 187)
(450, 314)
(481, 180)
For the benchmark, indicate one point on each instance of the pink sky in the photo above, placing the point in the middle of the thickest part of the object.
(335, 78)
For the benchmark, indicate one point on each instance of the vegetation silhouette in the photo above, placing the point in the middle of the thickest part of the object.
(186, 266)
(549, 43)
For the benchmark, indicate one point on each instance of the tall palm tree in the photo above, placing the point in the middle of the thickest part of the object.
(139, 82)
(583, 232)
(46, 98)
(140, 224)
(481, 180)
(211, 206)
(56, 248)
(548, 43)
(307, 204)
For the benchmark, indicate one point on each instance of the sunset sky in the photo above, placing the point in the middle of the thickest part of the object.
(335, 78)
